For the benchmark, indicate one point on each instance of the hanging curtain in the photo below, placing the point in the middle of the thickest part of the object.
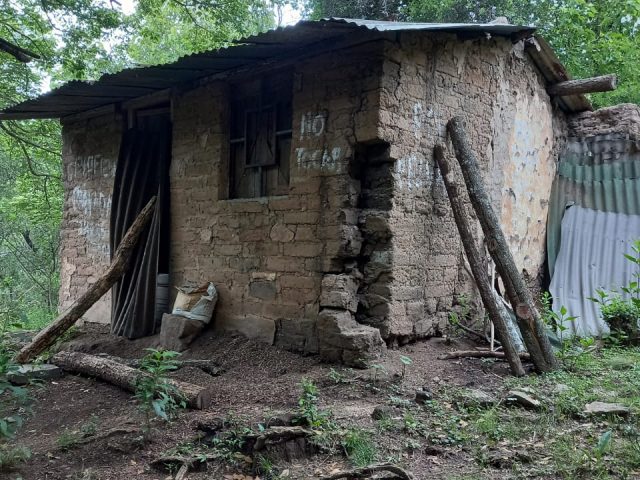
(141, 173)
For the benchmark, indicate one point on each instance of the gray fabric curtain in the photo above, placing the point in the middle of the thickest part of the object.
(141, 173)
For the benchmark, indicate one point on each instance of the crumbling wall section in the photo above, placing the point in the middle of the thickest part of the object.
(513, 129)
(621, 119)
(89, 155)
(281, 264)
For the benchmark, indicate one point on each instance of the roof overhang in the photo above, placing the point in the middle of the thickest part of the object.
(306, 38)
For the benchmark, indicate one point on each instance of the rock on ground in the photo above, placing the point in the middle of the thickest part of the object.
(603, 408)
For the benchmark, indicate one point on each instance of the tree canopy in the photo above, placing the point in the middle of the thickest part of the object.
(46, 42)
(591, 37)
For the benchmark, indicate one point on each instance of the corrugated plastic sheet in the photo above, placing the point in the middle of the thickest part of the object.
(591, 257)
(281, 43)
(600, 173)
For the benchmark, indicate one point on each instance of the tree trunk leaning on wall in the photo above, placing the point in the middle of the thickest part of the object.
(124, 376)
(529, 321)
(497, 313)
(47, 337)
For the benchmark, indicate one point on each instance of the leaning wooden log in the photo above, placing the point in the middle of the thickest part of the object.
(48, 336)
(605, 83)
(479, 354)
(531, 327)
(497, 313)
(366, 472)
(125, 377)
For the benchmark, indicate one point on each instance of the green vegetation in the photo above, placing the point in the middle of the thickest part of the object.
(78, 39)
(69, 438)
(557, 441)
(622, 314)
(14, 407)
(156, 396)
(590, 37)
(359, 446)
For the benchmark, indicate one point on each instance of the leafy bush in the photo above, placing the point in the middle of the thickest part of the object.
(155, 394)
(622, 314)
(308, 406)
(13, 399)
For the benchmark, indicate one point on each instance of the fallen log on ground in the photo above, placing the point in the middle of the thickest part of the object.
(479, 354)
(527, 316)
(125, 377)
(48, 336)
(207, 366)
(497, 313)
(366, 472)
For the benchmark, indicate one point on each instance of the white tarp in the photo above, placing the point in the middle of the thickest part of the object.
(590, 257)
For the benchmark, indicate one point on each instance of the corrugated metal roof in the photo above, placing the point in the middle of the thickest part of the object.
(78, 96)
(600, 173)
(591, 257)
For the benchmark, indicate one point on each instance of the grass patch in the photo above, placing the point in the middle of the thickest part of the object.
(13, 455)
(359, 447)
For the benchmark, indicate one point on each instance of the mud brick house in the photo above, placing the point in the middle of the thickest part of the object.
(295, 172)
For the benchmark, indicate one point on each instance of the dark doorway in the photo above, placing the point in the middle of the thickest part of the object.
(141, 173)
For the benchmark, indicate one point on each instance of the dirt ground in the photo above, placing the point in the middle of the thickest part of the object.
(258, 381)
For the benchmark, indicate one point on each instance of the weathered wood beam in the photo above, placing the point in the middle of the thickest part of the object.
(497, 313)
(528, 318)
(47, 336)
(604, 83)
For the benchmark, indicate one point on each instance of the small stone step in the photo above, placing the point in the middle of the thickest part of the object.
(523, 399)
(26, 373)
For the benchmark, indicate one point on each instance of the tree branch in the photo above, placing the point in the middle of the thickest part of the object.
(21, 54)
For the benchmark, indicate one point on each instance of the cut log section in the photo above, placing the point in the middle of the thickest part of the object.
(48, 336)
(497, 313)
(605, 83)
(124, 376)
(529, 322)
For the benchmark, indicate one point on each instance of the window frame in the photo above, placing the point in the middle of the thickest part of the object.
(270, 174)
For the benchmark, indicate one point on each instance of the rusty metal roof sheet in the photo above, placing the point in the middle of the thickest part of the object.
(600, 173)
(280, 43)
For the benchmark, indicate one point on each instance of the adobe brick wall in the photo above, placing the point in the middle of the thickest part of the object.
(89, 155)
(516, 135)
(268, 256)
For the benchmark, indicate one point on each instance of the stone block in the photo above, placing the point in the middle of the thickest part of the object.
(339, 335)
(281, 233)
(339, 291)
(263, 289)
(298, 334)
(29, 372)
(260, 328)
(177, 333)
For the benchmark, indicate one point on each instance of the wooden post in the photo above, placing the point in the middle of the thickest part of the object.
(529, 321)
(47, 336)
(605, 83)
(496, 312)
